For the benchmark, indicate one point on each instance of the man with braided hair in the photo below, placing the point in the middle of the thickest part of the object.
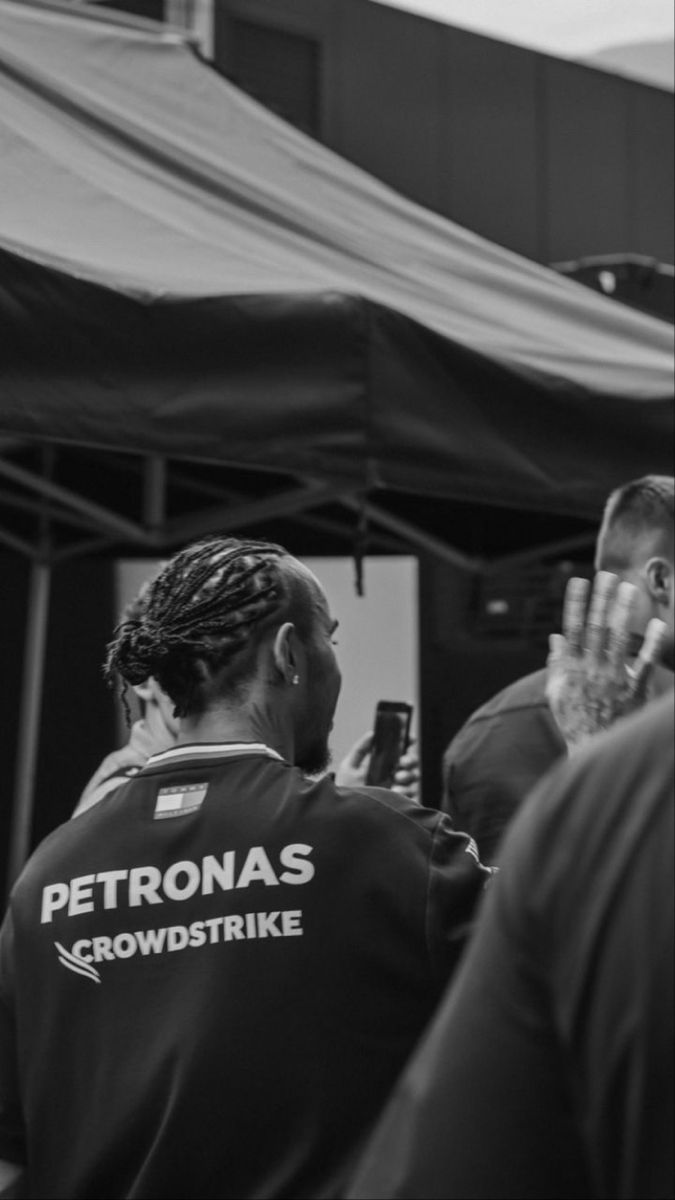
(210, 981)
(157, 729)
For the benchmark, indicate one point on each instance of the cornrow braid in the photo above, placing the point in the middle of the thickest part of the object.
(202, 617)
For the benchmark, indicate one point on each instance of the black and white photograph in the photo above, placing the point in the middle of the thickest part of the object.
(337, 599)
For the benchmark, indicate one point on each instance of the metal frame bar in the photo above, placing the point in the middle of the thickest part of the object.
(155, 533)
(18, 544)
(36, 508)
(105, 519)
(77, 549)
(321, 524)
(225, 517)
(522, 557)
(415, 536)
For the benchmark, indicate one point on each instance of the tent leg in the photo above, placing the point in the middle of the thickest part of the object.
(29, 719)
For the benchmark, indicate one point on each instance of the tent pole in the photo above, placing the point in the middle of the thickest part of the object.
(103, 518)
(581, 541)
(29, 718)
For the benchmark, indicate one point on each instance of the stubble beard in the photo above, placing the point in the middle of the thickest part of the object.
(316, 759)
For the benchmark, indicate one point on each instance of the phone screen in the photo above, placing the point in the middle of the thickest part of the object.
(392, 730)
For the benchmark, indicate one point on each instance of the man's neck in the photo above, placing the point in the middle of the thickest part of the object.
(235, 726)
(156, 726)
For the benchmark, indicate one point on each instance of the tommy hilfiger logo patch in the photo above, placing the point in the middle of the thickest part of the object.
(178, 801)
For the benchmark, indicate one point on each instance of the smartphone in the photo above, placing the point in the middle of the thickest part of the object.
(390, 741)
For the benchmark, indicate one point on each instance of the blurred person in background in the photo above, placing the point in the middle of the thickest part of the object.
(154, 731)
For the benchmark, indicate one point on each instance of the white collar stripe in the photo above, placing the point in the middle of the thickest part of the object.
(213, 750)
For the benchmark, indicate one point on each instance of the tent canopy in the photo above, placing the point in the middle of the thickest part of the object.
(185, 278)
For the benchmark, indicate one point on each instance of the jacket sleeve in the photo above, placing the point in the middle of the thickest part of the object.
(457, 881)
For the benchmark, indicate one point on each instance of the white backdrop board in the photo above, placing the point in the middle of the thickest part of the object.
(377, 639)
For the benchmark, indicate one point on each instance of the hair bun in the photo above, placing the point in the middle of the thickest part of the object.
(148, 641)
(139, 644)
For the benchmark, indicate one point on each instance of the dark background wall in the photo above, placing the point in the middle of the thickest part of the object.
(552, 159)
(476, 636)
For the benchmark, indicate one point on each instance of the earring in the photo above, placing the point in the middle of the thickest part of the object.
(295, 681)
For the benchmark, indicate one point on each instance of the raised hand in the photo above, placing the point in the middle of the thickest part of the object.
(353, 769)
(354, 766)
(407, 774)
(591, 680)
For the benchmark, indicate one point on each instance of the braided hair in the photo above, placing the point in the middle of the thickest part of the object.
(199, 625)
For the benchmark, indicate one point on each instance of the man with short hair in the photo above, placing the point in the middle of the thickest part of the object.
(210, 980)
(635, 542)
(510, 742)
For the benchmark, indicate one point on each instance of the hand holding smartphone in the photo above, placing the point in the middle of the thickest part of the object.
(390, 740)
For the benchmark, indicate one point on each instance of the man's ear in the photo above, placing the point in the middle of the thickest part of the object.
(284, 652)
(660, 580)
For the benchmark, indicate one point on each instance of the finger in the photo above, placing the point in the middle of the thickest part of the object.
(557, 649)
(409, 761)
(360, 750)
(574, 613)
(406, 777)
(411, 793)
(649, 655)
(604, 591)
(620, 641)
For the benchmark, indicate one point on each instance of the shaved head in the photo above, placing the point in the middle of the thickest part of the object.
(638, 522)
